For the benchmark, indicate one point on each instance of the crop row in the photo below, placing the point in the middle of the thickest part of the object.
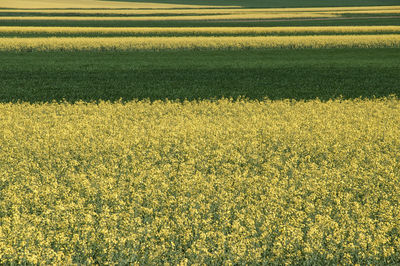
(217, 10)
(200, 182)
(203, 14)
(162, 43)
(167, 18)
(90, 4)
(194, 31)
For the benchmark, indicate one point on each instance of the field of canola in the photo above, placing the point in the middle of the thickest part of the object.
(201, 182)
(86, 178)
(192, 31)
(168, 43)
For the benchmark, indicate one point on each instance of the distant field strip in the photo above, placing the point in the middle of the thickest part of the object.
(194, 31)
(167, 18)
(376, 9)
(390, 11)
(189, 14)
(215, 12)
(90, 4)
(192, 17)
(162, 43)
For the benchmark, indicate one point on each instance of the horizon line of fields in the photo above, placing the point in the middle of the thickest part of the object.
(193, 43)
(15, 31)
(201, 10)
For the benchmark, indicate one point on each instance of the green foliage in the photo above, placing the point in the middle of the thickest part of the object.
(276, 74)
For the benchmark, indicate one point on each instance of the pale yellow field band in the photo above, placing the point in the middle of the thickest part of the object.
(200, 30)
(166, 43)
(169, 18)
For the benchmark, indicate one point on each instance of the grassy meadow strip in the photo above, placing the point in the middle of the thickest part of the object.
(214, 43)
(277, 182)
(194, 31)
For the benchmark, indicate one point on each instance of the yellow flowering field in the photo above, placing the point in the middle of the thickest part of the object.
(99, 31)
(225, 42)
(206, 182)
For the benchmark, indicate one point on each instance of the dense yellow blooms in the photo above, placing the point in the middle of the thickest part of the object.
(202, 30)
(161, 43)
(244, 182)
